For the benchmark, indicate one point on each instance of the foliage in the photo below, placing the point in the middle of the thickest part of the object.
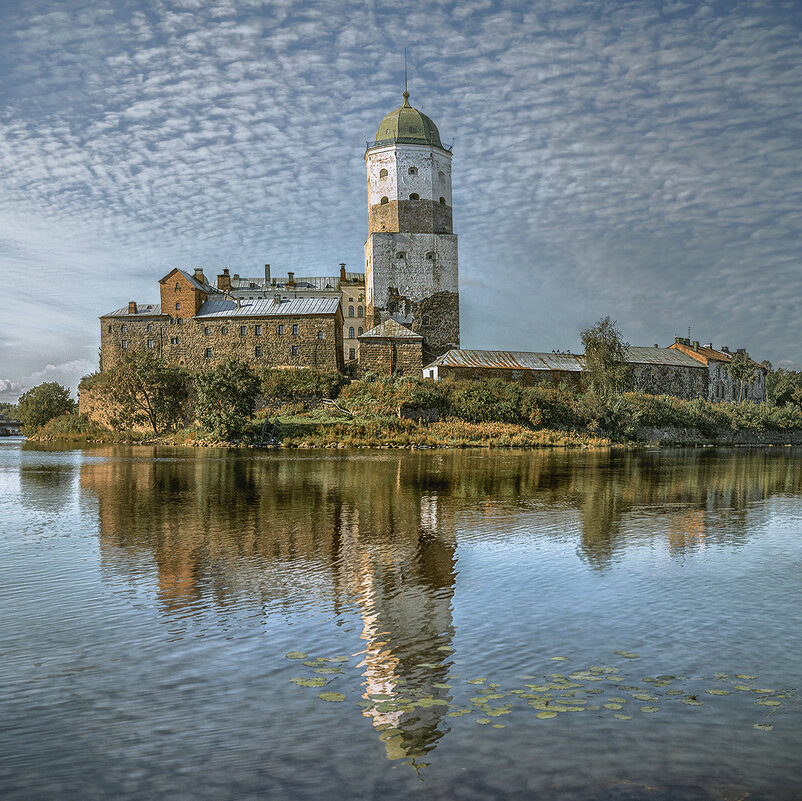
(606, 368)
(378, 395)
(226, 397)
(741, 369)
(70, 426)
(546, 407)
(145, 390)
(784, 387)
(42, 403)
(490, 400)
(293, 385)
(9, 410)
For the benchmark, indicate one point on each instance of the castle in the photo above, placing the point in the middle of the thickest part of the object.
(400, 316)
(397, 316)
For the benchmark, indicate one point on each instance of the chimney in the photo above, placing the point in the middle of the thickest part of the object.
(656, 345)
(199, 276)
(238, 301)
(290, 279)
(742, 351)
(236, 276)
(696, 345)
(267, 273)
(276, 299)
(131, 307)
(224, 281)
(343, 276)
(725, 348)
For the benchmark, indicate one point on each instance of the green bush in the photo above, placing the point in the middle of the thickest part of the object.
(70, 425)
(546, 407)
(41, 404)
(485, 401)
(293, 385)
(226, 398)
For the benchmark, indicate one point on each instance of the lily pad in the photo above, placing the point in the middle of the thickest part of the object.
(762, 691)
(477, 681)
(329, 670)
(593, 708)
(770, 703)
(612, 706)
(692, 701)
(675, 692)
(558, 659)
(483, 721)
(336, 659)
(745, 676)
(441, 685)
(459, 712)
(445, 648)
(334, 697)
(546, 715)
(742, 687)
(301, 682)
(296, 655)
(498, 725)
(644, 697)
(762, 726)
(648, 710)
(623, 717)
(718, 692)
(617, 700)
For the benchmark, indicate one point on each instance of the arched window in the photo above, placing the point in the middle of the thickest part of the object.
(401, 254)
(441, 175)
(384, 201)
(413, 170)
(382, 173)
(351, 334)
(430, 255)
(350, 311)
(178, 306)
(361, 330)
(442, 201)
(414, 196)
(359, 311)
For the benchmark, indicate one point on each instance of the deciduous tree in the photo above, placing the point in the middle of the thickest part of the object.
(227, 397)
(606, 368)
(42, 403)
(741, 369)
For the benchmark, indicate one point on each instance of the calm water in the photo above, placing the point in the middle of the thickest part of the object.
(149, 598)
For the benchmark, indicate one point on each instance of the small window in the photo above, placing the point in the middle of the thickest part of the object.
(280, 330)
(320, 335)
(350, 311)
(257, 330)
(442, 201)
(441, 175)
(206, 330)
(124, 344)
(295, 350)
(430, 255)
(150, 328)
(413, 170)
(258, 350)
(383, 173)
(243, 330)
(223, 329)
(351, 333)
(177, 286)
(208, 353)
(385, 200)
(295, 330)
(151, 344)
(414, 196)
(359, 311)
(387, 130)
(411, 129)
(178, 306)
(391, 307)
(352, 353)
(180, 320)
(173, 340)
(401, 254)
(360, 331)
(123, 328)
(110, 329)
(425, 320)
(172, 321)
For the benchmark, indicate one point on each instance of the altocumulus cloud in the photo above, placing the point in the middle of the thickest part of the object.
(633, 158)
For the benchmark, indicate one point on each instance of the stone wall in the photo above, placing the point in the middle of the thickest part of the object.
(722, 387)
(411, 216)
(689, 436)
(317, 343)
(399, 356)
(664, 379)
(178, 297)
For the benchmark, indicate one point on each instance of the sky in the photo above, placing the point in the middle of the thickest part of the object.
(638, 159)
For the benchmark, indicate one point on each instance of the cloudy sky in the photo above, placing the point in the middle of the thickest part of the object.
(640, 159)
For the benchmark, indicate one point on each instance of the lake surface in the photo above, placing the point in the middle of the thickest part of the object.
(487, 625)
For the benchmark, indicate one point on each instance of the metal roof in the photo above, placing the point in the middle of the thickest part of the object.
(511, 360)
(662, 356)
(269, 308)
(142, 310)
(390, 329)
(323, 282)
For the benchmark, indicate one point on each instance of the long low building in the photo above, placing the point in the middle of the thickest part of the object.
(679, 371)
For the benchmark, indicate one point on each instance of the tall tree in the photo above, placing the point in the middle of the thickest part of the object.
(41, 404)
(227, 397)
(147, 391)
(606, 368)
(741, 369)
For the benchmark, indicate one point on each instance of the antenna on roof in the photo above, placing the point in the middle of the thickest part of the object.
(689, 332)
(405, 69)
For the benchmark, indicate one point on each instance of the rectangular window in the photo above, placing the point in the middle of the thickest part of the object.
(208, 353)
(178, 306)
(124, 344)
(280, 330)
(151, 344)
(352, 353)
(295, 330)
(425, 320)
(243, 330)
(295, 350)
(110, 329)
(150, 328)
(180, 321)
(123, 328)
(257, 329)
(258, 350)
(223, 329)
(206, 331)
(173, 340)
(320, 335)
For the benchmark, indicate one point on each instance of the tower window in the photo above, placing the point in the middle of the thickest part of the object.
(350, 311)
(320, 335)
(387, 131)
(150, 328)
(258, 350)
(414, 196)
(361, 331)
(178, 306)
(430, 255)
(384, 201)
(413, 170)
(442, 201)
(352, 353)
(351, 333)
(359, 311)
(295, 350)
(208, 353)
(441, 175)
(383, 173)
(401, 255)
(206, 330)
(124, 344)
(110, 329)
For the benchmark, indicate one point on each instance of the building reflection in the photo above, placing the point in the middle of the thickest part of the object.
(378, 537)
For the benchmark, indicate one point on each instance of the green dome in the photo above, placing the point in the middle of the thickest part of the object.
(408, 125)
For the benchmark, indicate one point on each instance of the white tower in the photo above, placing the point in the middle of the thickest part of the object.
(411, 251)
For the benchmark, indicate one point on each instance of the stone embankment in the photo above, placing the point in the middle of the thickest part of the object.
(743, 437)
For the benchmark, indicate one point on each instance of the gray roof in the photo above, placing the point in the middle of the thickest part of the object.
(662, 356)
(301, 282)
(142, 310)
(269, 308)
(390, 329)
(207, 288)
(510, 360)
